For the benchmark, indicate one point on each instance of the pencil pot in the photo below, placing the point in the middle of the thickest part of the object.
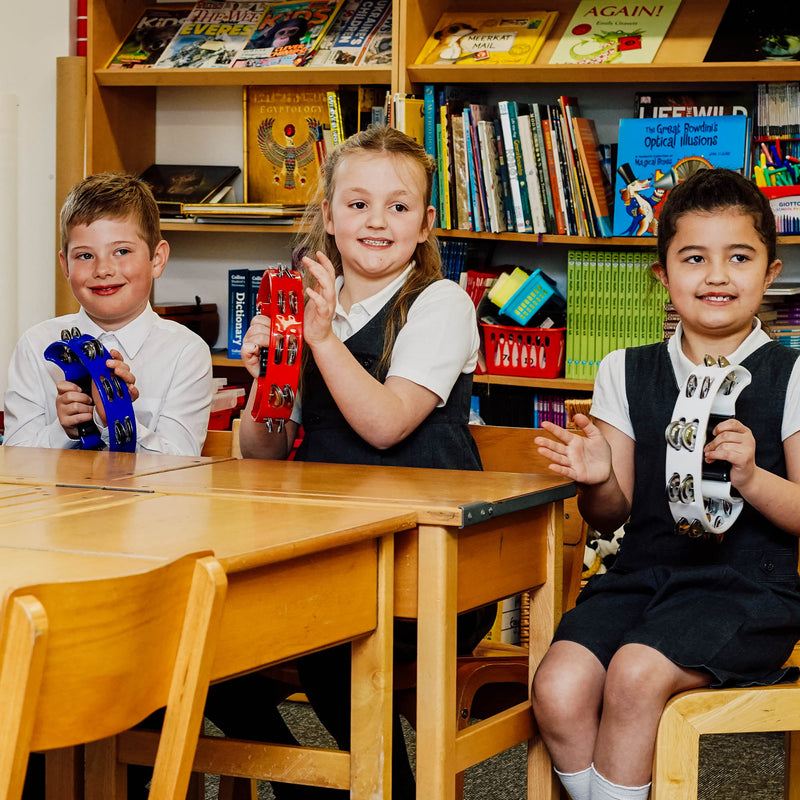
(524, 352)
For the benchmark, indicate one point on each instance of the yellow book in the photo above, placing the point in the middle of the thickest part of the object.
(468, 37)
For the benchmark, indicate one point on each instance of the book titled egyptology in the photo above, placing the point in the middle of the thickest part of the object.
(615, 33)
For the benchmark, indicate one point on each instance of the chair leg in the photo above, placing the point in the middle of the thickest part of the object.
(197, 787)
(792, 772)
(231, 788)
(676, 764)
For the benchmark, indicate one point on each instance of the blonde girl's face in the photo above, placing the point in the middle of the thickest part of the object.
(377, 215)
(716, 274)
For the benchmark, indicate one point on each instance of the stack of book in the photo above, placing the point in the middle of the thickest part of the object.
(780, 311)
(613, 301)
(521, 167)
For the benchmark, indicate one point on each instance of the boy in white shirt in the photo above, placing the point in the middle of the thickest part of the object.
(111, 252)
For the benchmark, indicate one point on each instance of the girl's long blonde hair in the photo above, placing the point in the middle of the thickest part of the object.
(428, 262)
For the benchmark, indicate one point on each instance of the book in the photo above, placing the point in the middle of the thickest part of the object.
(531, 174)
(559, 209)
(431, 140)
(379, 45)
(618, 34)
(283, 132)
(238, 309)
(688, 103)
(487, 37)
(149, 37)
(263, 211)
(176, 184)
(540, 151)
(491, 177)
(597, 184)
(516, 168)
(655, 155)
(346, 39)
(748, 31)
(212, 35)
(288, 33)
(411, 117)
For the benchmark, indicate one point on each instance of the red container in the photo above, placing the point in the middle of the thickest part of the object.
(524, 352)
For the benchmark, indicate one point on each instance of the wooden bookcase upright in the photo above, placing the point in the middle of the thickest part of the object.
(121, 127)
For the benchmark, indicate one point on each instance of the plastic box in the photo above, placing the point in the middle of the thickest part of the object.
(537, 293)
(524, 352)
(223, 405)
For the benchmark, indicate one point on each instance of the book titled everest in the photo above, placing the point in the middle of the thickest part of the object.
(654, 155)
(614, 33)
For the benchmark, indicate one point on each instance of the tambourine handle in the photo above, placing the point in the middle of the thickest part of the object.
(702, 501)
(83, 360)
(280, 297)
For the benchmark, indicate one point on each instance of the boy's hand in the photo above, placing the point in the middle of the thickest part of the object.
(585, 459)
(733, 442)
(257, 336)
(320, 304)
(73, 406)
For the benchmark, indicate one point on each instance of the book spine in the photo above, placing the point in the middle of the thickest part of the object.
(514, 163)
(336, 122)
(238, 293)
(561, 171)
(476, 215)
(254, 284)
(471, 118)
(496, 222)
(460, 175)
(571, 168)
(558, 200)
(531, 175)
(570, 366)
(546, 191)
(429, 98)
(505, 182)
(445, 184)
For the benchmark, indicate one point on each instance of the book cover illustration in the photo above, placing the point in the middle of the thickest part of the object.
(618, 34)
(283, 130)
(655, 155)
(176, 184)
(690, 103)
(749, 31)
(346, 40)
(213, 33)
(513, 37)
(149, 37)
(288, 33)
(379, 45)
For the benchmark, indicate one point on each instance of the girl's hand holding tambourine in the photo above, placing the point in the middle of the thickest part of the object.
(257, 336)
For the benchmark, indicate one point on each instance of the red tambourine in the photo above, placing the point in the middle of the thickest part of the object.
(280, 297)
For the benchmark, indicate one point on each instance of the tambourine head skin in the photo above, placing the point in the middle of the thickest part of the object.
(280, 297)
(701, 499)
(83, 360)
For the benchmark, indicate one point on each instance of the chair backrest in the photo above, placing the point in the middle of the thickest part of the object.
(84, 660)
(505, 449)
(223, 443)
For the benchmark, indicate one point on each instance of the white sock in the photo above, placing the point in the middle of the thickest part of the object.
(603, 789)
(578, 784)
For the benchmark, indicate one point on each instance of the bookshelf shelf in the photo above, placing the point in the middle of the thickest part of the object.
(272, 76)
(227, 227)
(551, 384)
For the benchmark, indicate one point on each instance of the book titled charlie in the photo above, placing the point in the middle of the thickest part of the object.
(654, 155)
(618, 33)
(346, 40)
(465, 37)
(284, 147)
(213, 33)
(149, 37)
(288, 33)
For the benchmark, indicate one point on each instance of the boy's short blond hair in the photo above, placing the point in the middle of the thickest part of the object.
(112, 195)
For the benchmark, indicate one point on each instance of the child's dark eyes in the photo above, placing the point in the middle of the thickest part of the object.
(399, 207)
(123, 251)
(360, 205)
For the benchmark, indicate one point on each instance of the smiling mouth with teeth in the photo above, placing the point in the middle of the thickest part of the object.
(377, 242)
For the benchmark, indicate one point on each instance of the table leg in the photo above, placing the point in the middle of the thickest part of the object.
(545, 612)
(371, 702)
(436, 663)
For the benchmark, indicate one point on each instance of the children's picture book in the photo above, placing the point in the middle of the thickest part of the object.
(690, 103)
(288, 33)
(149, 37)
(627, 33)
(379, 45)
(346, 40)
(464, 37)
(752, 31)
(284, 143)
(653, 156)
(213, 33)
(176, 184)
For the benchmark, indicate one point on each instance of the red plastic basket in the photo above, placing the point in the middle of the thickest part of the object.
(524, 352)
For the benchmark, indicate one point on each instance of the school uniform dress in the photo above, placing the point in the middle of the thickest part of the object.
(731, 609)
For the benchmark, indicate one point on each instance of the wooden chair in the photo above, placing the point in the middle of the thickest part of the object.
(223, 443)
(689, 715)
(85, 660)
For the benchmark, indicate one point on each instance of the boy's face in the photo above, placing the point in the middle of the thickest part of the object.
(110, 270)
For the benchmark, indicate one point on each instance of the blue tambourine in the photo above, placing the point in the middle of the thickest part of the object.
(83, 359)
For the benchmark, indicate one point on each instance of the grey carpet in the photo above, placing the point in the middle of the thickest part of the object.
(732, 767)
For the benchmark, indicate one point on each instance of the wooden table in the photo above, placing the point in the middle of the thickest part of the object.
(480, 537)
(301, 577)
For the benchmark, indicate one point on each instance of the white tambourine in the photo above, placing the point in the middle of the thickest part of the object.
(700, 497)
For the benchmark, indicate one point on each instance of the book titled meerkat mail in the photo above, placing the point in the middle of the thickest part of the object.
(654, 155)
